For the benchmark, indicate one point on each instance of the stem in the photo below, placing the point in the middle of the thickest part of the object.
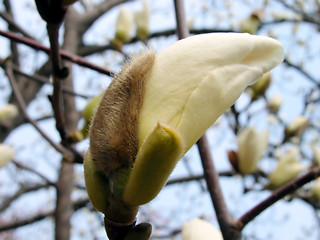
(226, 222)
(23, 108)
(59, 73)
(182, 28)
(277, 195)
(65, 55)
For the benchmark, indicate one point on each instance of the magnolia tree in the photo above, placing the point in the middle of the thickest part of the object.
(91, 159)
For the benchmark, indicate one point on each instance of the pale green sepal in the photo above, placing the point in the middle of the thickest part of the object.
(97, 185)
(88, 113)
(155, 161)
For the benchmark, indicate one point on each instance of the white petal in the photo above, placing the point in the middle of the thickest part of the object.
(196, 79)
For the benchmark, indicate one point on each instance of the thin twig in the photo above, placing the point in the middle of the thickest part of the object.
(41, 79)
(182, 27)
(23, 108)
(25, 188)
(277, 195)
(65, 55)
(77, 204)
(58, 76)
(225, 219)
(21, 166)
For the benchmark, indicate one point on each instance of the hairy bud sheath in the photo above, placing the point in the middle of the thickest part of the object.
(114, 130)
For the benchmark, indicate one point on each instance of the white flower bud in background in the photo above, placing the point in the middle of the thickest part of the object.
(198, 229)
(288, 168)
(251, 23)
(8, 112)
(124, 25)
(316, 154)
(142, 21)
(297, 127)
(6, 154)
(260, 87)
(275, 102)
(251, 147)
(315, 189)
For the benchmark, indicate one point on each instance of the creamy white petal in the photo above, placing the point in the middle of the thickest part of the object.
(196, 79)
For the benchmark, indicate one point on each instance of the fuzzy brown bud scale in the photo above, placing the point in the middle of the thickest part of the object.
(114, 131)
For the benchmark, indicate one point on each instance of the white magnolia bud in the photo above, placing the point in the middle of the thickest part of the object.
(142, 21)
(8, 112)
(297, 127)
(124, 25)
(197, 229)
(316, 188)
(275, 102)
(6, 154)
(251, 147)
(288, 168)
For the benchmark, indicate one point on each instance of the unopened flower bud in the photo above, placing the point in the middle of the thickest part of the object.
(315, 189)
(260, 87)
(288, 168)
(142, 21)
(124, 26)
(197, 229)
(274, 103)
(251, 147)
(160, 105)
(297, 127)
(251, 23)
(6, 154)
(8, 112)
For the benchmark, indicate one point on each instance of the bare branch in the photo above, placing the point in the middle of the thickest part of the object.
(23, 108)
(23, 189)
(66, 55)
(78, 204)
(92, 15)
(277, 195)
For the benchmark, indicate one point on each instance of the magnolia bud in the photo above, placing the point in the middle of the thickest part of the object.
(315, 189)
(297, 127)
(8, 112)
(123, 26)
(250, 24)
(251, 147)
(88, 113)
(197, 229)
(316, 154)
(274, 103)
(142, 21)
(6, 154)
(288, 168)
(260, 87)
(157, 108)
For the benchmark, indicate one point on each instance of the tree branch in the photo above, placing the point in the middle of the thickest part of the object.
(65, 55)
(78, 204)
(226, 221)
(23, 108)
(88, 18)
(277, 195)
